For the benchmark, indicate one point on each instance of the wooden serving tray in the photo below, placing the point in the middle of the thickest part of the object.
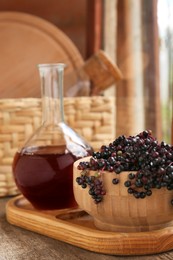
(76, 227)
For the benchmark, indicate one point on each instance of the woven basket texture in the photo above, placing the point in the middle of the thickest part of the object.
(92, 117)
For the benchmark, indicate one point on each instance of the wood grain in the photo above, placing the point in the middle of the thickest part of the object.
(120, 211)
(25, 41)
(75, 227)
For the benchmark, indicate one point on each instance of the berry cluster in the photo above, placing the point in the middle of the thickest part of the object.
(95, 184)
(151, 161)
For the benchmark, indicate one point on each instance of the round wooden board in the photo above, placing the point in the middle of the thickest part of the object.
(25, 41)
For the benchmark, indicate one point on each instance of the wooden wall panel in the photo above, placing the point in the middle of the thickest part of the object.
(125, 91)
(151, 77)
(94, 30)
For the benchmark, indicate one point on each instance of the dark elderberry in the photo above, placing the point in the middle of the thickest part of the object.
(148, 192)
(117, 170)
(97, 155)
(136, 194)
(158, 186)
(142, 195)
(138, 183)
(98, 199)
(115, 181)
(80, 180)
(145, 134)
(127, 184)
(146, 187)
(130, 191)
(163, 184)
(170, 186)
(131, 176)
(95, 185)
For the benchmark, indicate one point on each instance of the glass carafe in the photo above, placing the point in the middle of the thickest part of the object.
(43, 167)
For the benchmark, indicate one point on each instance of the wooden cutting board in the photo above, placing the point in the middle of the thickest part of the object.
(76, 227)
(25, 41)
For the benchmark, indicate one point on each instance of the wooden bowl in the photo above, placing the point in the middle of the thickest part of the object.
(122, 212)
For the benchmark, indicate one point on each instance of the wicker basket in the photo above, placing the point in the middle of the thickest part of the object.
(91, 117)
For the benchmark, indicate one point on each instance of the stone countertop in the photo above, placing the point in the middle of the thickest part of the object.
(20, 244)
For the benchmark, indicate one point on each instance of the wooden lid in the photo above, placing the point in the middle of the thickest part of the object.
(25, 41)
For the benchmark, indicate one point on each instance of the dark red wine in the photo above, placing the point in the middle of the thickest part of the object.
(46, 180)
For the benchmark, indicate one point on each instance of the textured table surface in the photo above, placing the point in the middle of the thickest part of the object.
(20, 244)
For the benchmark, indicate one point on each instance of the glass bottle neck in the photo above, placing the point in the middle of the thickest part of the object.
(51, 76)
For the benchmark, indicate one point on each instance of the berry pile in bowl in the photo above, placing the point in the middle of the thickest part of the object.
(127, 186)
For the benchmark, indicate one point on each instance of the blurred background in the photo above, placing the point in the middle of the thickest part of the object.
(137, 36)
